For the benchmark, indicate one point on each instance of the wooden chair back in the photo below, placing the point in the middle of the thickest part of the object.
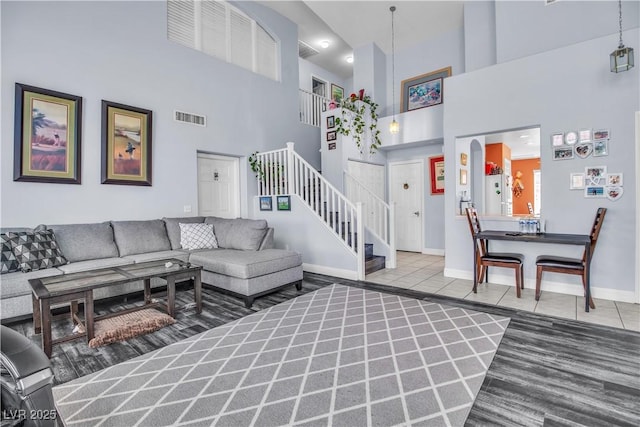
(595, 230)
(474, 227)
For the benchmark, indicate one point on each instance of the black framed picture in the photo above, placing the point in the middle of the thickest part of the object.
(265, 203)
(284, 203)
(331, 136)
(331, 122)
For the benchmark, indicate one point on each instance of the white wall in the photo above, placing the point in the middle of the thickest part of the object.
(309, 69)
(119, 51)
(542, 89)
(479, 34)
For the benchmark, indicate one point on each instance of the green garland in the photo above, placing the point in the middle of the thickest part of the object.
(353, 121)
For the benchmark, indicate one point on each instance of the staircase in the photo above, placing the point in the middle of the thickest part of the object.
(284, 172)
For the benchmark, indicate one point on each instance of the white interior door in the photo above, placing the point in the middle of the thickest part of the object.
(218, 186)
(406, 190)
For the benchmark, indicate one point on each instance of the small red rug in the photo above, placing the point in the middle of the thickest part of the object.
(129, 325)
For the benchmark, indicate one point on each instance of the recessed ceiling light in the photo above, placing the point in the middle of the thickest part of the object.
(349, 59)
(324, 44)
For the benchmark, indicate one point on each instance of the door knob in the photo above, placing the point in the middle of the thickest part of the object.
(417, 213)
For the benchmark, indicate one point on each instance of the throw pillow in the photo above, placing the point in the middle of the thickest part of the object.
(8, 261)
(197, 236)
(36, 250)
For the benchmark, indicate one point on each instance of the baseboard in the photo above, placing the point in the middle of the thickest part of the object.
(559, 287)
(431, 251)
(330, 271)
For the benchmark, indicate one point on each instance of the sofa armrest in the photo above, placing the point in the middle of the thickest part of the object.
(267, 241)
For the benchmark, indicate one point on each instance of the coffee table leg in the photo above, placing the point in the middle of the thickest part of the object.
(74, 312)
(45, 312)
(171, 296)
(88, 314)
(37, 317)
(197, 290)
(147, 291)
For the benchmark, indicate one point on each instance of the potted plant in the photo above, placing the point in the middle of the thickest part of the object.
(355, 123)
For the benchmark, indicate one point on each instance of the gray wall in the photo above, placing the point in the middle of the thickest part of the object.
(119, 51)
(542, 89)
(308, 69)
(479, 34)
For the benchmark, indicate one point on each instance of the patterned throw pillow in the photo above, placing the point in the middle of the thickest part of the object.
(8, 261)
(36, 250)
(197, 236)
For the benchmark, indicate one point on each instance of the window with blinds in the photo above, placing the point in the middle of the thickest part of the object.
(221, 30)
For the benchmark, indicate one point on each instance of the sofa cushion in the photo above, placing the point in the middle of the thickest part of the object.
(92, 264)
(154, 256)
(137, 237)
(36, 250)
(197, 236)
(239, 233)
(245, 265)
(81, 242)
(16, 284)
(173, 229)
(8, 261)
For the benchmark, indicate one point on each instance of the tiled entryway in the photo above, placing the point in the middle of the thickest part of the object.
(425, 273)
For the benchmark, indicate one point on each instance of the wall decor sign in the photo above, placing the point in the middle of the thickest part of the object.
(47, 136)
(436, 171)
(600, 148)
(557, 139)
(601, 134)
(337, 92)
(595, 175)
(594, 191)
(331, 122)
(584, 149)
(614, 179)
(576, 181)
(463, 159)
(126, 144)
(331, 136)
(332, 146)
(585, 135)
(265, 203)
(284, 203)
(562, 153)
(423, 91)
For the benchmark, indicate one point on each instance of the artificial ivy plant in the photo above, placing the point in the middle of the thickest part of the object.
(354, 123)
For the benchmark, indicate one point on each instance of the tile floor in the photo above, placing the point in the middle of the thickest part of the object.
(425, 273)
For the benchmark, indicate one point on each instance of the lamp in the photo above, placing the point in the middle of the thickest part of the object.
(621, 59)
(394, 127)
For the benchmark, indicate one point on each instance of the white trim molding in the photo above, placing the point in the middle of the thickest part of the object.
(432, 251)
(330, 271)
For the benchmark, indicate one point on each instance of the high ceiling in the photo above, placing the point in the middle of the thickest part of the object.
(351, 24)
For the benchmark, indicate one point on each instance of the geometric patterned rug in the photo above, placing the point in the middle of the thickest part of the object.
(339, 356)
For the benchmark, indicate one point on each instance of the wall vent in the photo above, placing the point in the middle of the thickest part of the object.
(305, 50)
(548, 2)
(191, 118)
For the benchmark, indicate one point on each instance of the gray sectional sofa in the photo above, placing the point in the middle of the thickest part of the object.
(245, 264)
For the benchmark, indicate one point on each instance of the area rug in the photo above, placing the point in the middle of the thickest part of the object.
(128, 325)
(339, 356)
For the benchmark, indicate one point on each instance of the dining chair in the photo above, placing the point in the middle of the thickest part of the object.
(565, 265)
(486, 259)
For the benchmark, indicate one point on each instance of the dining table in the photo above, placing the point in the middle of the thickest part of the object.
(554, 238)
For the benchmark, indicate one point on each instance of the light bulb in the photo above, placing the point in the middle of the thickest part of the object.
(324, 44)
(394, 127)
(350, 59)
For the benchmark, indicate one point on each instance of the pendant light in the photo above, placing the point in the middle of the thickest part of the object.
(394, 127)
(621, 59)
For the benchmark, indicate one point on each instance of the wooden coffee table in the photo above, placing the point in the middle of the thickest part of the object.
(70, 288)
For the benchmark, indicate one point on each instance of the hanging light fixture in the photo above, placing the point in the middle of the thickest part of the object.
(394, 127)
(621, 59)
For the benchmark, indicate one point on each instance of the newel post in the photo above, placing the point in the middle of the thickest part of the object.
(360, 240)
(291, 180)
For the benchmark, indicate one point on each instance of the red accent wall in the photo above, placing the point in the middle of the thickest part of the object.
(526, 166)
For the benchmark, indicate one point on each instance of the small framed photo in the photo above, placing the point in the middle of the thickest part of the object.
(584, 149)
(614, 192)
(571, 137)
(463, 177)
(331, 122)
(332, 146)
(562, 153)
(557, 139)
(576, 181)
(594, 191)
(265, 203)
(614, 179)
(585, 135)
(463, 159)
(601, 134)
(331, 136)
(600, 148)
(284, 203)
(594, 174)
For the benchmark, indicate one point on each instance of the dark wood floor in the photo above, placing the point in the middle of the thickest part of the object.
(546, 372)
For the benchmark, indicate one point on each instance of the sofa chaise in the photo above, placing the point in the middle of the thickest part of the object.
(245, 263)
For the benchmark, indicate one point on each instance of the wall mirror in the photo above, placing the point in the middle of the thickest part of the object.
(503, 170)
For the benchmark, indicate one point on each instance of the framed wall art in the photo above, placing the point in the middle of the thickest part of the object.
(284, 203)
(594, 191)
(595, 175)
(463, 159)
(337, 92)
(266, 203)
(585, 135)
(436, 171)
(48, 136)
(601, 134)
(584, 149)
(331, 122)
(126, 144)
(600, 148)
(614, 179)
(562, 153)
(332, 146)
(557, 139)
(576, 181)
(331, 136)
(423, 91)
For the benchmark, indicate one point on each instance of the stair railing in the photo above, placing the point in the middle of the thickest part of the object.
(379, 216)
(286, 172)
(311, 107)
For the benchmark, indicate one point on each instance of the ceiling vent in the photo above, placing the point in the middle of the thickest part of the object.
(548, 2)
(194, 119)
(305, 51)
